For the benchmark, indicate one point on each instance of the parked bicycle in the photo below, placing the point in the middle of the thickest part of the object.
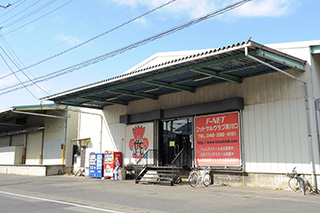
(296, 182)
(198, 175)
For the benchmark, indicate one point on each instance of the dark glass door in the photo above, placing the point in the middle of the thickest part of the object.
(175, 136)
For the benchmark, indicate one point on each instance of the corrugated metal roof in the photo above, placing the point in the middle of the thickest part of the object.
(11, 120)
(186, 73)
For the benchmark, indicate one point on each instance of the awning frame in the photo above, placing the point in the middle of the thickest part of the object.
(187, 74)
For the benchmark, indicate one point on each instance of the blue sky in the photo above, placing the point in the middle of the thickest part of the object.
(34, 30)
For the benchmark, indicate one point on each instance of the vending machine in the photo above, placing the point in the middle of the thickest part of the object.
(92, 164)
(99, 160)
(96, 165)
(111, 161)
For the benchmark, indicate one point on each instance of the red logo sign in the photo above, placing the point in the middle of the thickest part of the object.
(138, 145)
(217, 140)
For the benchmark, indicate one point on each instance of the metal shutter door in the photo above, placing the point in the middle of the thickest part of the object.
(4, 141)
(18, 140)
(34, 144)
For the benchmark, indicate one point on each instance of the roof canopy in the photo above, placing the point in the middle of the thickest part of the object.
(226, 64)
(14, 119)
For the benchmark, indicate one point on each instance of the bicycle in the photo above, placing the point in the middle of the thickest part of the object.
(296, 182)
(195, 177)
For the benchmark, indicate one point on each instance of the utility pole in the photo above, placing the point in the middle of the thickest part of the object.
(8, 5)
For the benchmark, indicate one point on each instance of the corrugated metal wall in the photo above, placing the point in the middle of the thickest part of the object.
(255, 90)
(275, 135)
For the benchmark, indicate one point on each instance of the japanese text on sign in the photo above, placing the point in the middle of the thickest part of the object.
(217, 140)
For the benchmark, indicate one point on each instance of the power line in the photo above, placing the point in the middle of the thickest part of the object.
(63, 42)
(17, 14)
(13, 7)
(93, 38)
(124, 49)
(31, 13)
(15, 55)
(8, 5)
(38, 17)
(16, 75)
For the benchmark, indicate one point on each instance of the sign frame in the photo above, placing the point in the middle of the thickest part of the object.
(239, 148)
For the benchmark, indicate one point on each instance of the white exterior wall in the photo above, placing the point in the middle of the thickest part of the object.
(72, 131)
(11, 155)
(116, 130)
(104, 135)
(316, 74)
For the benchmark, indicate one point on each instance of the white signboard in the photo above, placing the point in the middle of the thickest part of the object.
(139, 139)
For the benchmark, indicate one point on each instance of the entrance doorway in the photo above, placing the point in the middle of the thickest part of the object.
(175, 135)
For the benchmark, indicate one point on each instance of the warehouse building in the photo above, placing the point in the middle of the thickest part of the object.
(247, 111)
(37, 140)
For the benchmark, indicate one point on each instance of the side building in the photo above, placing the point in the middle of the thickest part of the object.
(37, 140)
(247, 111)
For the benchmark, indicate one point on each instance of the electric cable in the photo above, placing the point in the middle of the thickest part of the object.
(12, 18)
(13, 8)
(93, 38)
(76, 35)
(16, 21)
(14, 55)
(38, 18)
(17, 76)
(123, 49)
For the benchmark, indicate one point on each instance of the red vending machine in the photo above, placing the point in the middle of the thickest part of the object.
(111, 160)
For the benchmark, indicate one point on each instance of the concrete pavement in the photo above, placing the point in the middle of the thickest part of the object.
(68, 193)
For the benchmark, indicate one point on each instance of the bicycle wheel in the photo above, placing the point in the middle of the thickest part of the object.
(206, 179)
(193, 179)
(294, 184)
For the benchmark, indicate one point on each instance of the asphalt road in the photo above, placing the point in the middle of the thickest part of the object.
(79, 194)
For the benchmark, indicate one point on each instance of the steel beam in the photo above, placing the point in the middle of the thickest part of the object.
(115, 101)
(219, 75)
(280, 59)
(79, 105)
(134, 94)
(172, 86)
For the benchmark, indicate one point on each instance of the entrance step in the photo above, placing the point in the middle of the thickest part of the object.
(159, 175)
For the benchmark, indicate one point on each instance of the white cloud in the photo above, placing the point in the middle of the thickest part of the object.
(267, 8)
(8, 81)
(190, 8)
(69, 39)
(193, 9)
(143, 21)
